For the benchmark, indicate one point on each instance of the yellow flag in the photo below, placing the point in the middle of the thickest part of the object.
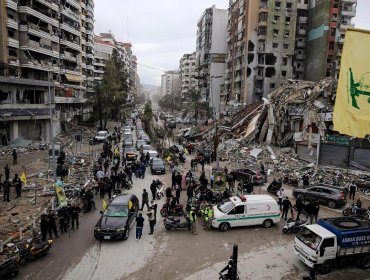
(59, 191)
(104, 204)
(352, 105)
(23, 178)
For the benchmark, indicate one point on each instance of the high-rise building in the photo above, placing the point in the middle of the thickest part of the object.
(328, 21)
(170, 83)
(211, 55)
(42, 43)
(188, 74)
(105, 44)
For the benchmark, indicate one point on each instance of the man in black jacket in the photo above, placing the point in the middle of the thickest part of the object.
(153, 188)
(286, 206)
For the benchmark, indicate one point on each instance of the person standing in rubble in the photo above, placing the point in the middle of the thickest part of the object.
(44, 226)
(18, 185)
(6, 190)
(7, 172)
(15, 156)
(74, 212)
(352, 190)
(306, 181)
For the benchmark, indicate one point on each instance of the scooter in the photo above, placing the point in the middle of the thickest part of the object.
(172, 223)
(175, 211)
(160, 193)
(294, 226)
(8, 269)
(30, 251)
(363, 213)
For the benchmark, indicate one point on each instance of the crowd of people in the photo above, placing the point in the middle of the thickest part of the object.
(8, 184)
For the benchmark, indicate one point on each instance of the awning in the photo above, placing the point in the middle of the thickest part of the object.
(73, 78)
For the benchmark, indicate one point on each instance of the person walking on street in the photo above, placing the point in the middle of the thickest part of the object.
(75, 210)
(6, 190)
(352, 190)
(193, 220)
(190, 193)
(177, 194)
(52, 225)
(299, 205)
(280, 195)
(153, 189)
(7, 172)
(145, 200)
(192, 165)
(286, 206)
(316, 209)
(210, 217)
(309, 211)
(44, 226)
(15, 156)
(151, 219)
(139, 226)
(155, 208)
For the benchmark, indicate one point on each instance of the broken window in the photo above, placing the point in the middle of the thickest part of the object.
(262, 16)
(288, 6)
(286, 46)
(285, 61)
(270, 72)
(286, 33)
(283, 73)
(275, 32)
(287, 20)
(272, 85)
(277, 5)
(249, 71)
(270, 59)
(250, 57)
(276, 18)
(275, 45)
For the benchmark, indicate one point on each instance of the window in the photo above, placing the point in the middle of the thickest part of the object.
(288, 6)
(272, 85)
(314, 189)
(306, 2)
(275, 45)
(237, 210)
(285, 61)
(286, 46)
(287, 20)
(332, 32)
(326, 191)
(329, 242)
(283, 73)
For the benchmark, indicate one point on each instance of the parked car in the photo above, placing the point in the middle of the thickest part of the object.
(152, 154)
(332, 197)
(101, 136)
(147, 148)
(339, 188)
(139, 143)
(129, 149)
(157, 166)
(118, 218)
(128, 142)
(177, 149)
(248, 175)
(145, 138)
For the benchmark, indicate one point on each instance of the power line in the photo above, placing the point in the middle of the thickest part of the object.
(159, 69)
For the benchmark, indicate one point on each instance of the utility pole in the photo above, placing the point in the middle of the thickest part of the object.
(51, 130)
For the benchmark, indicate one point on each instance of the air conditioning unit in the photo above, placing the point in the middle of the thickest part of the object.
(277, 8)
(275, 35)
(274, 21)
(287, 22)
(288, 9)
(286, 36)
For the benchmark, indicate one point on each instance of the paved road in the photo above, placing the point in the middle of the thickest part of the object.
(263, 253)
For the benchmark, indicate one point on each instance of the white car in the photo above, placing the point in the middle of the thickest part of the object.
(101, 136)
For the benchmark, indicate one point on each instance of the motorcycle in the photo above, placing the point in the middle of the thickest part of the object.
(172, 223)
(289, 180)
(30, 251)
(8, 269)
(294, 226)
(166, 210)
(160, 193)
(360, 212)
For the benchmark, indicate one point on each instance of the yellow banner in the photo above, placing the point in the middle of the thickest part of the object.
(59, 191)
(352, 105)
(23, 178)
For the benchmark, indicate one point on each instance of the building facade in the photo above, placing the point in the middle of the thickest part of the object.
(188, 74)
(328, 21)
(211, 55)
(170, 83)
(44, 44)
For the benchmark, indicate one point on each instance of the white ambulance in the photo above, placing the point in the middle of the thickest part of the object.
(246, 210)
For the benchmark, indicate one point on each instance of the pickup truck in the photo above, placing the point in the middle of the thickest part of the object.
(334, 242)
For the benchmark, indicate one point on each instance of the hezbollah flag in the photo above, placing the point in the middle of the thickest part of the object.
(104, 204)
(352, 105)
(23, 178)
(59, 191)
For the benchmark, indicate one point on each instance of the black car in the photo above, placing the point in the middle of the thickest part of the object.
(329, 196)
(157, 166)
(118, 218)
(248, 175)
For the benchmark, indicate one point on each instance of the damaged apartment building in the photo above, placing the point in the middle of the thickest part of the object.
(299, 114)
(44, 45)
(271, 41)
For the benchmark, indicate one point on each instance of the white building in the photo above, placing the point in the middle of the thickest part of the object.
(170, 83)
(188, 74)
(211, 55)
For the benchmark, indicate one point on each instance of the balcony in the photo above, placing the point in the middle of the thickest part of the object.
(71, 70)
(90, 55)
(348, 13)
(12, 23)
(14, 61)
(238, 79)
(12, 4)
(258, 77)
(37, 31)
(99, 71)
(74, 3)
(301, 44)
(90, 19)
(36, 47)
(31, 11)
(300, 56)
(89, 32)
(90, 8)
(72, 45)
(345, 26)
(99, 64)
(302, 31)
(341, 40)
(349, 1)
(39, 65)
(90, 78)
(68, 56)
(13, 43)
(90, 67)
(90, 44)
(302, 19)
(238, 67)
(72, 29)
(49, 3)
(71, 14)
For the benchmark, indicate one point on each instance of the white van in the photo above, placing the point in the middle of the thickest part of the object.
(246, 210)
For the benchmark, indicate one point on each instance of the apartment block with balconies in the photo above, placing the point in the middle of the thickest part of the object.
(41, 41)
(188, 74)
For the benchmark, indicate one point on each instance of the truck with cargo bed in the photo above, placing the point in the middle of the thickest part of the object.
(334, 242)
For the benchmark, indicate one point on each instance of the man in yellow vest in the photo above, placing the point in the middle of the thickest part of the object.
(193, 220)
(210, 216)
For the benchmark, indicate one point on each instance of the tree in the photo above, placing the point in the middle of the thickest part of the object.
(195, 102)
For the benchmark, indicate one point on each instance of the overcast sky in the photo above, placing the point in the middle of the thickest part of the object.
(161, 31)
